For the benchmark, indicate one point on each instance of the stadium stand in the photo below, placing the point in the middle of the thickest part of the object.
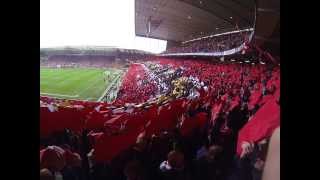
(136, 86)
(212, 44)
(173, 119)
(78, 61)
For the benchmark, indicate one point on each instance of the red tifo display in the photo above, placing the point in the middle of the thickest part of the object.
(120, 125)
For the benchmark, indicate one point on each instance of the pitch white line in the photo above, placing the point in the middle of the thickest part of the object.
(52, 94)
(109, 86)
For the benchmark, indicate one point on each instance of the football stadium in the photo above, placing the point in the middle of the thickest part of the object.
(193, 93)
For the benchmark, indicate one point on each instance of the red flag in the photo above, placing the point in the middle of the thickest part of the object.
(216, 109)
(177, 106)
(94, 136)
(107, 147)
(96, 120)
(189, 124)
(50, 121)
(277, 94)
(262, 124)
(160, 118)
(152, 123)
(72, 118)
(201, 119)
(265, 99)
(167, 117)
(45, 128)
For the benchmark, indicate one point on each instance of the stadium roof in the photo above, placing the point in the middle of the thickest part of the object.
(178, 20)
(89, 50)
(267, 31)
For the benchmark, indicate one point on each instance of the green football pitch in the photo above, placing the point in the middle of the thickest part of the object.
(75, 83)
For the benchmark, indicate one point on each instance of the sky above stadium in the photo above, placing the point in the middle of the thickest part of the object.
(92, 23)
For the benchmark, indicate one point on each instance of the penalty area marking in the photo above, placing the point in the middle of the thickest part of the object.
(62, 95)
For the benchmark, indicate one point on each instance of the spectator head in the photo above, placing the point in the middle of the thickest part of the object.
(153, 137)
(52, 158)
(45, 174)
(73, 159)
(164, 135)
(133, 170)
(176, 160)
(213, 152)
(244, 106)
(222, 114)
(65, 146)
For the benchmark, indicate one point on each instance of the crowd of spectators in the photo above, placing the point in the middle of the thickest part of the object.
(230, 95)
(154, 78)
(147, 80)
(95, 61)
(212, 44)
(76, 61)
(87, 61)
(136, 86)
(167, 155)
